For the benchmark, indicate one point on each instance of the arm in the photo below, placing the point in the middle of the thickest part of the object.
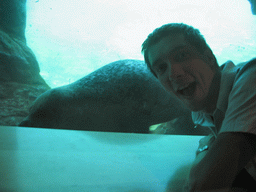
(219, 166)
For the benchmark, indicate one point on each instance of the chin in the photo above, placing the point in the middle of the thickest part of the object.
(196, 105)
(194, 108)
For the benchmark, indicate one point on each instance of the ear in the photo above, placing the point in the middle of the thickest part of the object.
(210, 58)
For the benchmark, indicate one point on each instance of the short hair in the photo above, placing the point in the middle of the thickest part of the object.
(191, 35)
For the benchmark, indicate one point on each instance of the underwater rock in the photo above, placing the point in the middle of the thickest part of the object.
(18, 63)
(253, 6)
(13, 18)
(20, 81)
(15, 100)
(122, 96)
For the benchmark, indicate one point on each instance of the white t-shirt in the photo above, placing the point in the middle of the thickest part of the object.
(236, 104)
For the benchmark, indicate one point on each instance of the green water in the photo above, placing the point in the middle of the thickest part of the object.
(73, 38)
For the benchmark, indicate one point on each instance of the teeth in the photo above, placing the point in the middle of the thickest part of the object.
(189, 90)
(183, 87)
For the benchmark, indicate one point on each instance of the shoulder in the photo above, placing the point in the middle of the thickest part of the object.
(246, 77)
(241, 110)
(246, 67)
(239, 69)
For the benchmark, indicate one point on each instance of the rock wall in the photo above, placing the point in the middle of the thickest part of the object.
(20, 80)
(13, 18)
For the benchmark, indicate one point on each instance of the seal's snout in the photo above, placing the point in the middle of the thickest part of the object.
(25, 123)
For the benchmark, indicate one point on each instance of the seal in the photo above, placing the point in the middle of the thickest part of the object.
(122, 96)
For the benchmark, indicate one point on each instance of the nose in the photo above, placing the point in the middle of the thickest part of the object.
(175, 71)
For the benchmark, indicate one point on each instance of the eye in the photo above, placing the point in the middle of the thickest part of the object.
(182, 56)
(160, 69)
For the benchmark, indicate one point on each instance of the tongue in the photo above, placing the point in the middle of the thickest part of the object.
(189, 91)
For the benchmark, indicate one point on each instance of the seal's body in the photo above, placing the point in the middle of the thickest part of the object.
(122, 96)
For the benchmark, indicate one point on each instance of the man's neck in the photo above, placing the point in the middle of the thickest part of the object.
(212, 98)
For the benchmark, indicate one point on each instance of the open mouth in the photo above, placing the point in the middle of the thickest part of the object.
(189, 90)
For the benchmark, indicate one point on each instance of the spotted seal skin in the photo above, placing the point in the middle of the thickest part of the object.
(122, 96)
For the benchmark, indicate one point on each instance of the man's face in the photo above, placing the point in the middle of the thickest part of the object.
(182, 70)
